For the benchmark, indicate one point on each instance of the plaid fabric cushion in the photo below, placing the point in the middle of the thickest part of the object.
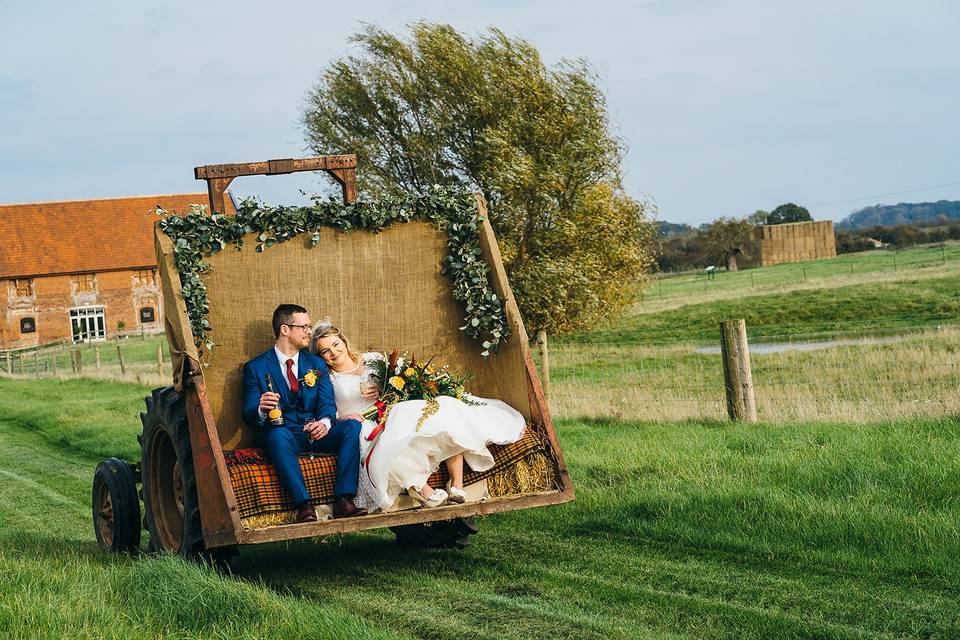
(505, 455)
(258, 491)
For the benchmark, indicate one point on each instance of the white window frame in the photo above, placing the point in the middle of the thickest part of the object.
(84, 325)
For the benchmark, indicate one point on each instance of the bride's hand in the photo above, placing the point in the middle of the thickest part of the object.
(369, 390)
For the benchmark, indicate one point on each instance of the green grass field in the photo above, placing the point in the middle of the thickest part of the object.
(859, 266)
(838, 516)
(679, 530)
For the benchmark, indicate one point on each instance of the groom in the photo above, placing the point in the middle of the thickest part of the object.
(309, 414)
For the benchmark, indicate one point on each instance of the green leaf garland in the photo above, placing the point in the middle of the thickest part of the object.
(454, 211)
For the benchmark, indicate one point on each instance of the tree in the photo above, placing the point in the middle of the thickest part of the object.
(758, 217)
(789, 212)
(726, 239)
(487, 114)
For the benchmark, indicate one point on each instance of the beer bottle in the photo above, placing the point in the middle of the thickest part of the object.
(275, 416)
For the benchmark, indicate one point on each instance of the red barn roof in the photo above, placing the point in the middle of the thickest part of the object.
(83, 236)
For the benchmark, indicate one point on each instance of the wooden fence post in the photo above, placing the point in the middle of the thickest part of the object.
(160, 360)
(737, 377)
(53, 360)
(9, 362)
(544, 362)
(36, 360)
(22, 367)
(96, 353)
(123, 369)
(78, 356)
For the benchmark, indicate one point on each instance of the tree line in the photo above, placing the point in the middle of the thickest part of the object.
(731, 243)
(734, 242)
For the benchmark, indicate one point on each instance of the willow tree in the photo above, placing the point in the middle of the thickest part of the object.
(487, 114)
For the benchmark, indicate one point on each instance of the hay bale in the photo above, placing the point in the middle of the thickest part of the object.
(531, 474)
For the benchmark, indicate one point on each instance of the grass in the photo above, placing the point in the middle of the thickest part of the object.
(139, 360)
(838, 516)
(844, 269)
(680, 530)
(859, 309)
(645, 366)
(876, 379)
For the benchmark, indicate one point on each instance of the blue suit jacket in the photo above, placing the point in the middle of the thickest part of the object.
(312, 403)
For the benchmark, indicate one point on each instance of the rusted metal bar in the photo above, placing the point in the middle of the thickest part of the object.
(343, 168)
(218, 506)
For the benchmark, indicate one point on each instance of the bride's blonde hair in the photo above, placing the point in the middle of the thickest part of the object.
(325, 329)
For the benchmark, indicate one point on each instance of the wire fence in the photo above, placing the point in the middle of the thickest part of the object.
(866, 379)
(906, 372)
(139, 358)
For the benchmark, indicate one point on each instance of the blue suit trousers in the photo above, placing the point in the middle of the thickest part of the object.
(286, 444)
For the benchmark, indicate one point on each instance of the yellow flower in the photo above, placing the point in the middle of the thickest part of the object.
(410, 372)
(310, 378)
(397, 382)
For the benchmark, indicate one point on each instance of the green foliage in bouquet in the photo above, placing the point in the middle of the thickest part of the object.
(400, 379)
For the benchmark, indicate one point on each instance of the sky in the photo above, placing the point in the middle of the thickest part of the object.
(724, 107)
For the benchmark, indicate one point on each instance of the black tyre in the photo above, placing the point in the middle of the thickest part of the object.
(116, 507)
(169, 485)
(450, 534)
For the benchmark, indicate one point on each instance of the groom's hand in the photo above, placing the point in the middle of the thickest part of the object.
(269, 401)
(316, 429)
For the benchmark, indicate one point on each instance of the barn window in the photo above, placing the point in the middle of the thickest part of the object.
(28, 325)
(147, 314)
(145, 277)
(24, 287)
(85, 282)
(88, 323)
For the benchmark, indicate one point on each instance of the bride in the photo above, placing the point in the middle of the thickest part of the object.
(402, 457)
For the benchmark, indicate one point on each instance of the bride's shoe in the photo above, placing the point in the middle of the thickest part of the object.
(456, 495)
(438, 498)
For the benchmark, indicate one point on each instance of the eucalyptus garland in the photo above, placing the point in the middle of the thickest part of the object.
(197, 235)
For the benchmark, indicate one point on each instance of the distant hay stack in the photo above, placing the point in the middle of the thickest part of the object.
(797, 242)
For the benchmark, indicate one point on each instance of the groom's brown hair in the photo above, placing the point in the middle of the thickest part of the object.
(283, 315)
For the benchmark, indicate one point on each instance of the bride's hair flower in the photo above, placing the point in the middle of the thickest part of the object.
(397, 382)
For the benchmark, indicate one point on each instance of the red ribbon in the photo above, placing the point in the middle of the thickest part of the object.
(376, 431)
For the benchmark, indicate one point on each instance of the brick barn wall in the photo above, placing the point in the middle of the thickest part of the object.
(797, 242)
(121, 293)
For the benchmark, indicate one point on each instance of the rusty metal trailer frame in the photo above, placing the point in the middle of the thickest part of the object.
(218, 510)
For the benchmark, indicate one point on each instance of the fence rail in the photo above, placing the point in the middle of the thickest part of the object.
(132, 357)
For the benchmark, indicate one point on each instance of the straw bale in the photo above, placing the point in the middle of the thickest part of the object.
(532, 474)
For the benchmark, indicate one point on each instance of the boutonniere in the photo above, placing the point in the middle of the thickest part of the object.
(310, 377)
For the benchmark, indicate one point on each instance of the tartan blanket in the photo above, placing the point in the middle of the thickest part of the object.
(258, 491)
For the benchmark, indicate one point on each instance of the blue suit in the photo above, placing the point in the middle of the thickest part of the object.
(311, 403)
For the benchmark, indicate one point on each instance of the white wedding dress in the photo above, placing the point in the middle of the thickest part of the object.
(402, 457)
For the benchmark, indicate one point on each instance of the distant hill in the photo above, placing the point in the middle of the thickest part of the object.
(903, 213)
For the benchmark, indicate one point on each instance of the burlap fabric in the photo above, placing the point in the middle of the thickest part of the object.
(383, 290)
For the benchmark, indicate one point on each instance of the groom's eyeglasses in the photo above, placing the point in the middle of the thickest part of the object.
(305, 327)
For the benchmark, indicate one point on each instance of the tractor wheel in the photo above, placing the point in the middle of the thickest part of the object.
(116, 507)
(169, 486)
(451, 534)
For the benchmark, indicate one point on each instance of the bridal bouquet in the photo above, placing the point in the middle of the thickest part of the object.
(400, 379)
